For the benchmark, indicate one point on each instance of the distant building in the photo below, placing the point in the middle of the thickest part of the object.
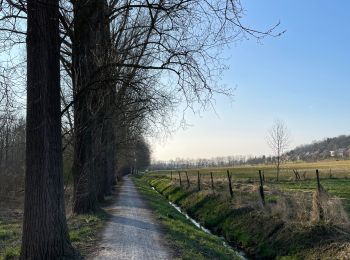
(340, 152)
(331, 153)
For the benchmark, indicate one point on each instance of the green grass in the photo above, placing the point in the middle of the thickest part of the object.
(261, 231)
(338, 185)
(85, 230)
(10, 233)
(335, 187)
(11, 253)
(339, 169)
(187, 240)
(84, 234)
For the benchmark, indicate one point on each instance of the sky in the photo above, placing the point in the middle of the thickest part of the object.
(302, 78)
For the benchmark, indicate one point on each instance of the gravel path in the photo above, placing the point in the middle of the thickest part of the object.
(132, 232)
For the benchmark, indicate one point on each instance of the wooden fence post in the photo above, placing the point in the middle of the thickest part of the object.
(198, 181)
(171, 175)
(330, 174)
(263, 175)
(261, 189)
(229, 183)
(318, 198)
(318, 181)
(188, 181)
(212, 181)
(180, 179)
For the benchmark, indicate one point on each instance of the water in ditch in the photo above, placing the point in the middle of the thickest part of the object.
(240, 254)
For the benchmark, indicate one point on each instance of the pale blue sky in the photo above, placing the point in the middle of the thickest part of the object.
(302, 77)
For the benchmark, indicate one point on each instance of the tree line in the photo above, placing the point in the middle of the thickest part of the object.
(98, 77)
(338, 147)
(220, 161)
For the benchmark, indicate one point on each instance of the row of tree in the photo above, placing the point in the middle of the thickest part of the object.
(182, 163)
(99, 75)
(222, 161)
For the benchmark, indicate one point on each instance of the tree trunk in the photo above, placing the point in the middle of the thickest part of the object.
(106, 115)
(110, 146)
(45, 233)
(88, 27)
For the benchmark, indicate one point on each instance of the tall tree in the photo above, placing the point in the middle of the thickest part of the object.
(151, 42)
(87, 56)
(45, 233)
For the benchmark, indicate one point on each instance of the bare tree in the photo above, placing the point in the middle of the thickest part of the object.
(133, 59)
(278, 139)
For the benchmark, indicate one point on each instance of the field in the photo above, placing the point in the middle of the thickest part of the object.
(297, 219)
(334, 177)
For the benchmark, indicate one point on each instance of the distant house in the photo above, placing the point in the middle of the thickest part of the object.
(340, 152)
(331, 153)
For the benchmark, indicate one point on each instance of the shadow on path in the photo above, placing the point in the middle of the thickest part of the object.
(132, 231)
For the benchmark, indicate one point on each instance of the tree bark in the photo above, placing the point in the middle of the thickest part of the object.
(87, 48)
(45, 233)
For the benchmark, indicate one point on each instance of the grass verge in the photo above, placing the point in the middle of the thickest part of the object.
(260, 233)
(188, 241)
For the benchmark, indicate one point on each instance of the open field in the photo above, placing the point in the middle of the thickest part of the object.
(339, 169)
(297, 220)
(334, 176)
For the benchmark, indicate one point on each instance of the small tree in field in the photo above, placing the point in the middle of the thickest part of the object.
(278, 139)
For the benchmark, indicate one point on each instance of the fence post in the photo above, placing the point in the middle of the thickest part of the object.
(330, 174)
(261, 189)
(180, 179)
(188, 181)
(263, 175)
(198, 181)
(171, 175)
(229, 183)
(318, 198)
(318, 181)
(212, 181)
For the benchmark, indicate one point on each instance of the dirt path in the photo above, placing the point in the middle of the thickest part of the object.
(132, 232)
